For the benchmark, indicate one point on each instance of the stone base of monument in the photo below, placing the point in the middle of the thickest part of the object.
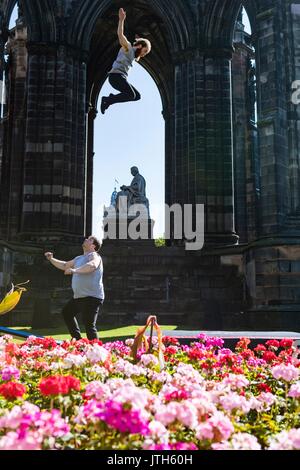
(128, 231)
(244, 288)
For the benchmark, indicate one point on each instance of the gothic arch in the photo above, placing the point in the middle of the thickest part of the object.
(177, 18)
(103, 43)
(7, 10)
(221, 18)
(40, 18)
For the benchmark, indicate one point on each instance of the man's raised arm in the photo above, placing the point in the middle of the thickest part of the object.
(62, 265)
(123, 40)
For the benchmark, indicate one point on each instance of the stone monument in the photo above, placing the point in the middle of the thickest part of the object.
(128, 216)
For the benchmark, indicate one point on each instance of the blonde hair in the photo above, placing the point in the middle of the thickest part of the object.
(144, 43)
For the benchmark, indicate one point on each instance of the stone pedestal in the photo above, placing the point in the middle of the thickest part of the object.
(272, 274)
(128, 231)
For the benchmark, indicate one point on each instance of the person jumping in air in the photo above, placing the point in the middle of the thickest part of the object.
(119, 73)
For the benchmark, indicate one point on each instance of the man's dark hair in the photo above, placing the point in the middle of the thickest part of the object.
(97, 243)
(143, 42)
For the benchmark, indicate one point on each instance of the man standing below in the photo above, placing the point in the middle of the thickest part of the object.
(87, 285)
(119, 73)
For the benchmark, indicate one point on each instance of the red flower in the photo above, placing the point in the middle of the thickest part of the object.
(11, 390)
(286, 355)
(171, 350)
(196, 353)
(227, 359)
(73, 383)
(286, 343)
(243, 343)
(273, 344)
(237, 370)
(246, 353)
(58, 385)
(96, 341)
(264, 388)
(12, 349)
(269, 356)
(170, 340)
(260, 348)
(45, 343)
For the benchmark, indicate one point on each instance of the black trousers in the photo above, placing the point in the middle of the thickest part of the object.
(128, 92)
(89, 308)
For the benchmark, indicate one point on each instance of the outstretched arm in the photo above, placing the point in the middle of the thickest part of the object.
(122, 38)
(62, 265)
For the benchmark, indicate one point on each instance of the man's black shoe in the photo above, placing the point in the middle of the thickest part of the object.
(104, 104)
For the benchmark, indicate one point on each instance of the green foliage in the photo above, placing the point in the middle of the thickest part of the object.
(160, 242)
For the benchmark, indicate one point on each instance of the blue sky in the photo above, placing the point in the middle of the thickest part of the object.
(130, 134)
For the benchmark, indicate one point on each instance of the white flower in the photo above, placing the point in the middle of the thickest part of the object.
(97, 354)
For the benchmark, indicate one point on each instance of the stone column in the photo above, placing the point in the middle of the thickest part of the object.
(55, 154)
(293, 72)
(13, 128)
(272, 263)
(272, 119)
(203, 141)
(246, 160)
(2, 104)
(92, 114)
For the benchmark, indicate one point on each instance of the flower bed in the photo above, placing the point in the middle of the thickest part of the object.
(85, 395)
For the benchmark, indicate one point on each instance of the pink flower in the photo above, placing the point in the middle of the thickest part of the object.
(97, 389)
(158, 430)
(205, 431)
(151, 446)
(184, 446)
(233, 401)
(236, 381)
(187, 414)
(239, 441)
(286, 440)
(295, 390)
(27, 427)
(149, 360)
(285, 372)
(10, 372)
(123, 418)
(167, 414)
(267, 398)
(12, 441)
(218, 427)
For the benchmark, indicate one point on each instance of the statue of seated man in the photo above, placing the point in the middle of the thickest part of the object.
(135, 193)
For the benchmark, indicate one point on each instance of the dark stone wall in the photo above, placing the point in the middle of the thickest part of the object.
(213, 156)
(12, 140)
(54, 172)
